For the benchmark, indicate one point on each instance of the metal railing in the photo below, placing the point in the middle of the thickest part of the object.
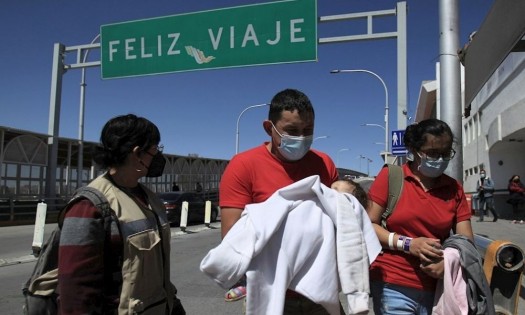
(23, 211)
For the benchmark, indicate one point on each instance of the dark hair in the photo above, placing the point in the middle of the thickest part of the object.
(120, 135)
(359, 193)
(512, 177)
(416, 134)
(289, 100)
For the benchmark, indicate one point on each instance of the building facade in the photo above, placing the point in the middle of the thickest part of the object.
(24, 160)
(493, 89)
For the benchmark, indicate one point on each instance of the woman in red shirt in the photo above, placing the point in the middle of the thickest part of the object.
(430, 205)
(517, 196)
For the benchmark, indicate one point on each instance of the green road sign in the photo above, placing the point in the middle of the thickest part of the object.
(268, 33)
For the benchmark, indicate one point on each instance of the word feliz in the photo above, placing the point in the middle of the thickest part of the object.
(141, 48)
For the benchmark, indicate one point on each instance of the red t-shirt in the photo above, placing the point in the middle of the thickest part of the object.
(254, 175)
(417, 214)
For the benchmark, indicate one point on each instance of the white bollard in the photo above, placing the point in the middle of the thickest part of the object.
(184, 216)
(40, 222)
(207, 213)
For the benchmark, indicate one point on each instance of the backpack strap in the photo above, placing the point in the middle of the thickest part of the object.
(395, 186)
(109, 217)
(97, 198)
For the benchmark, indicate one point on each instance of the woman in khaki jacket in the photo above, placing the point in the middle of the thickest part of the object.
(128, 271)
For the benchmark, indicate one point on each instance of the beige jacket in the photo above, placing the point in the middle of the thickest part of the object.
(146, 285)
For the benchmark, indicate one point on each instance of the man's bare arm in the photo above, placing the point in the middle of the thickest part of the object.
(228, 218)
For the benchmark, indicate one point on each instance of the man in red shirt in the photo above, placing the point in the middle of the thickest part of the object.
(254, 175)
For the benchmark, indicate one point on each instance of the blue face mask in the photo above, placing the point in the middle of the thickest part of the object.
(293, 148)
(432, 168)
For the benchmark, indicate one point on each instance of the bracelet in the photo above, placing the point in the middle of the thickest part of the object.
(406, 246)
(391, 240)
(400, 242)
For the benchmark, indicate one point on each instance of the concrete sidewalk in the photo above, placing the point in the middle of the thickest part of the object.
(500, 230)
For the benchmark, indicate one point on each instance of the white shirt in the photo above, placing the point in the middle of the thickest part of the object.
(290, 241)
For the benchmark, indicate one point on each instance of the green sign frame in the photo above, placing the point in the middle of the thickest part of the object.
(268, 33)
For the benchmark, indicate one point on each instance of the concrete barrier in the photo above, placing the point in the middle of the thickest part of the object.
(184, 216)
(207, 213)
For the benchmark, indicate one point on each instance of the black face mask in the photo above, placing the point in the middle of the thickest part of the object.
(156, 167)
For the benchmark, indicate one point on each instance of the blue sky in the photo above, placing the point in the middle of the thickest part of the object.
(197, 111)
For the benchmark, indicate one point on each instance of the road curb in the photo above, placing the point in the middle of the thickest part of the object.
(17, 260)
(194, 229)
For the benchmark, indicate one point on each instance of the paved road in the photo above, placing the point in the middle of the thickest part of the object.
(198, 292)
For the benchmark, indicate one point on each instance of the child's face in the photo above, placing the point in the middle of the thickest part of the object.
(343, 187)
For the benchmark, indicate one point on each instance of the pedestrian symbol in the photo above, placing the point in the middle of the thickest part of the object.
(398, 145)
(394, 139)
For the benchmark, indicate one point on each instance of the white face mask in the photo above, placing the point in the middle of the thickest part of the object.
(293, 148)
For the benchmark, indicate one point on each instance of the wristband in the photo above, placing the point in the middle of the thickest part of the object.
(406, 246)
(400, 242)
(391, 240)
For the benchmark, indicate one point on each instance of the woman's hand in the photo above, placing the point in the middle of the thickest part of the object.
(435, 270)
(428, 250)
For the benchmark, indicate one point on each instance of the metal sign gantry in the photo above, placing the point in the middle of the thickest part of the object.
(59, 68)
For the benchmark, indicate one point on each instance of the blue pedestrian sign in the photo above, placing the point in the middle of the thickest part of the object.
(398, 146)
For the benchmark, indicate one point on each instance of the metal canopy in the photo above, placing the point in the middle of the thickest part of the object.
(500, 33)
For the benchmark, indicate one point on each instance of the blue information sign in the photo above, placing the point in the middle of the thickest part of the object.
(398, 146)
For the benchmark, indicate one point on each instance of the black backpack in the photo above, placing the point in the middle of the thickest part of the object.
(40, 290)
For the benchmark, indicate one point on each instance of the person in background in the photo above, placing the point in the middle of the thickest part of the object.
(127, 272)
(198, 187)
(517, 197)
(254, 175)
(175, 187)
(347, 185)
(431, 204)
(485, 188)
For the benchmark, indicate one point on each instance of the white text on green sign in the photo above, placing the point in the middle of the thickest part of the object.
(276, 32)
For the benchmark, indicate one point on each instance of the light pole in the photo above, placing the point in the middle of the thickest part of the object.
(368, 160)
(386, 99)
(374, 125)
(320, 137)
(80, 162)
(238, 119)
(341, 150)
(359, 157)
(382, 143)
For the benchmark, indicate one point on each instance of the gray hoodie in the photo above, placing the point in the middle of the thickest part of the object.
(478, 290)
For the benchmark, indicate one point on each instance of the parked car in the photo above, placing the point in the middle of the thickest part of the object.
(196, 206)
